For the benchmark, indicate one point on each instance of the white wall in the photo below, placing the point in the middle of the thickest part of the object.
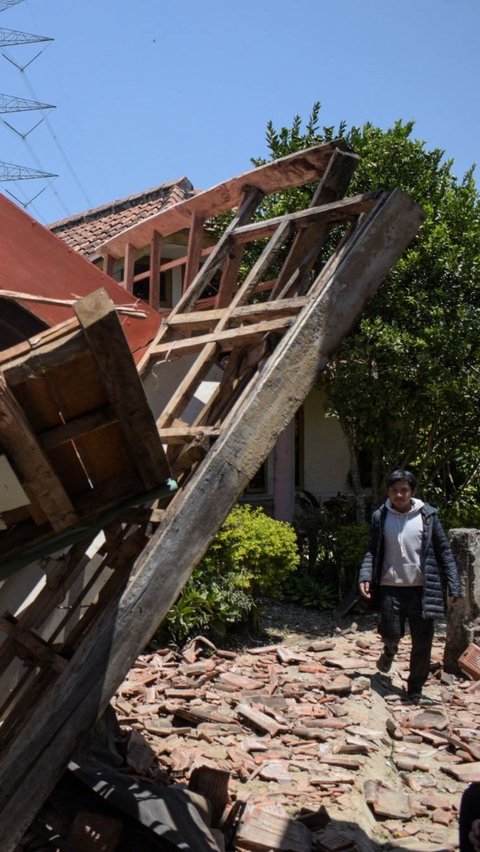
(326, 456)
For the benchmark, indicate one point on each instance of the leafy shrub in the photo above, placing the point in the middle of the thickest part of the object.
(466, 516)
(310, 592)
(350, 546)
(332, 548)
(250, 556)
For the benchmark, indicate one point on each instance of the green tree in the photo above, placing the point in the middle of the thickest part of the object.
(405, 382)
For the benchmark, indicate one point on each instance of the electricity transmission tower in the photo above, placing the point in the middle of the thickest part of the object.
(13, 104)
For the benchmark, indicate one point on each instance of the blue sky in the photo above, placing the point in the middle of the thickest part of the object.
(151, 90)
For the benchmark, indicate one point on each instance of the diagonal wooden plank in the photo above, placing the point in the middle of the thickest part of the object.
(200, 368)
(229, 277)
(37, 475)
(104, 334)
(331, 187)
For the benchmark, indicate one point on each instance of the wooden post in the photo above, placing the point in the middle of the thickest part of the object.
(284, 475)
(129, 268)
(194, 250)
(108, 264)
(155, 263)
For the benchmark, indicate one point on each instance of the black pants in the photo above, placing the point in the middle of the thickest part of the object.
(400, 604)
(469, 810)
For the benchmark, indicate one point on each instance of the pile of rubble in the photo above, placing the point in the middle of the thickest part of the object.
(296, 746)
(306, 746)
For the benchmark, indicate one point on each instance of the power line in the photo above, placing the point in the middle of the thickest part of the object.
(5, 4)
(9, 103)
(51, 184)
(54, 137)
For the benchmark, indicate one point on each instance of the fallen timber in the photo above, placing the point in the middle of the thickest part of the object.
(263, 380)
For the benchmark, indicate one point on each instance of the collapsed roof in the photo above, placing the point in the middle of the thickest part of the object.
(277, 314)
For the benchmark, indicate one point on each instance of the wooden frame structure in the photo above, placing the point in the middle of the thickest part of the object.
(77, 429)
(277, 321)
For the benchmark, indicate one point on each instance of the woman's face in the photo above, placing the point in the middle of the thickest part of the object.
(400, 495)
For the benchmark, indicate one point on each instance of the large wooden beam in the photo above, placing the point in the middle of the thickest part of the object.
(293, 170)
(32, 763)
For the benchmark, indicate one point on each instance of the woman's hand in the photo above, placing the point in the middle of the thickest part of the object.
(365, 589)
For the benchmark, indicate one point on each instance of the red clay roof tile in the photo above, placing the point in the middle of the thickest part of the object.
(86, 231)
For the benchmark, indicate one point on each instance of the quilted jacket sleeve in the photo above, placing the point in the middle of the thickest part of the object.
(366, 568)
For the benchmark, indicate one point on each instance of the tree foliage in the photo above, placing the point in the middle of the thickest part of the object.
(405, 382)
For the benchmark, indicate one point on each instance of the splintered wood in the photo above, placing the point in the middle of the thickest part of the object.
(274, 316)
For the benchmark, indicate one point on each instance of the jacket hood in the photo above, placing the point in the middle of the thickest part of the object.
(426, 508)
(415, 507)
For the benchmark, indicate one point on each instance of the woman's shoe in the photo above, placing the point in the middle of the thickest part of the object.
(384, 662)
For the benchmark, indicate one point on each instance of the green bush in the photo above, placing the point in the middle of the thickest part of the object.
(350, 546)
(310, 592)
(466, 516)
(333, 549)
(250, 556)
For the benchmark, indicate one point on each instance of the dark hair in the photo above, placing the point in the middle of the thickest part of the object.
(397, 475)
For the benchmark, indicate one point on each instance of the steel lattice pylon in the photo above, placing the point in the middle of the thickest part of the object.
(11, 103)
(16, 37)
(9, 171)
